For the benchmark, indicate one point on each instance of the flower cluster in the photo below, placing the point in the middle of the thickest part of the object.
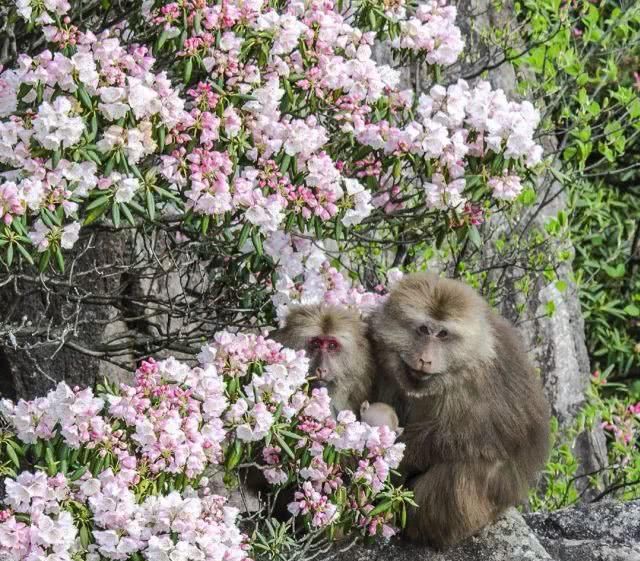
(123, 473)
(305, 276)
(265, 118)
(174, 526)
(461, 129)
(68, 121)
(433, 31)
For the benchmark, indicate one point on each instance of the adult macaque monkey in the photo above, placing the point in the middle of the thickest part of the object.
(340, 353)
(336, 343)
(476, 424)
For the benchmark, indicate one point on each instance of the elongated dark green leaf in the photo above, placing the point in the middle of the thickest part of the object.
(284, 446)
(151, 205)
(188, 69)
(380, 508)
(127, 214)
(244, 234)
(84, 98)
(24, 253)
(60, 259)
(13, 456)
(256, 239)
(102, 200)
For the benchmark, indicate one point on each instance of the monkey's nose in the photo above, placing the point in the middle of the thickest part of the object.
(321, 373)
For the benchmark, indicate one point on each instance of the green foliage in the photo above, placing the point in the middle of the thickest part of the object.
(583, 64)
(617, 410)
(604, 228)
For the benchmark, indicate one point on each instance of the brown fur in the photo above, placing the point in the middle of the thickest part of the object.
(476, 424)
(350, 370)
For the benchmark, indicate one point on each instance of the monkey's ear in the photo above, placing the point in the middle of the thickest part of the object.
(364, 407)
(399, 431)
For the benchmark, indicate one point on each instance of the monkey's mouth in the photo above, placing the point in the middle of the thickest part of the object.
(320, 384)
(418, 377)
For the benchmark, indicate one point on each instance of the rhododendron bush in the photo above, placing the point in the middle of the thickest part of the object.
(123, 474)
(182, 172)
(252, 124)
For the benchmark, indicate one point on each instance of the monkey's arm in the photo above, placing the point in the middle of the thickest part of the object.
(428, 444)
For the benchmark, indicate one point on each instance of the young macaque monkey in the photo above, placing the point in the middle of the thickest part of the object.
(476, 424)
(340, 353)
(378, 414)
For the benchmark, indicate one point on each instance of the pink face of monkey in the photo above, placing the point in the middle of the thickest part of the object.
(324, 352)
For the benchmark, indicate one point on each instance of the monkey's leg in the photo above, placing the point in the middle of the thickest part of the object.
(455, 501)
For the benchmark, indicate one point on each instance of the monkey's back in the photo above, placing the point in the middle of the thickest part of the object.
(522, 413)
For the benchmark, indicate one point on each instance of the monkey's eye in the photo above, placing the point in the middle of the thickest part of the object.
(332, 346)
(423, 329)
(314, 344)
(442, 334)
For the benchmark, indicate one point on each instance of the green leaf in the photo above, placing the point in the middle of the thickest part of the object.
(24, 253)
(51, 463)
(78, 473)
(162, 39)
(284, 446)
(284, 164)
(127, 214)
(84, 98)
(95, 214)
(136, 171)
(550, 307)
(474, 237)
(234, 458)
(13, 456)
(256, 239)
(372, 20)
(162, 133)
(102, 200)
(151, 205)
(115, 214)
(60, 260)
(632, 310)
(204, 225)
(188, 69)
(84, 537)
(382, 507)
(616, 272)
(244, 234)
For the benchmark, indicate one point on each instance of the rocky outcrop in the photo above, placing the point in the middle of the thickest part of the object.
(601, 532)
(604, 532)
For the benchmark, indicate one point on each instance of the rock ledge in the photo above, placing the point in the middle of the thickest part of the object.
(607, 531)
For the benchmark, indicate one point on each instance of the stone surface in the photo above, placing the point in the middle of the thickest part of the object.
(510, 539)
(608, 531)
(36, 318)
(600, 532)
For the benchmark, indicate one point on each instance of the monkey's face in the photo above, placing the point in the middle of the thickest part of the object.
(335, 342)
(436, 328)
(431, 350)
(325, 352)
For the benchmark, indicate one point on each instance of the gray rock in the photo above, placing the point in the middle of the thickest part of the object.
(51, 327)
(509, 539)
(608, 531)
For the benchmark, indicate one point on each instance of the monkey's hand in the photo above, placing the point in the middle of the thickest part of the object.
(417, 457)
